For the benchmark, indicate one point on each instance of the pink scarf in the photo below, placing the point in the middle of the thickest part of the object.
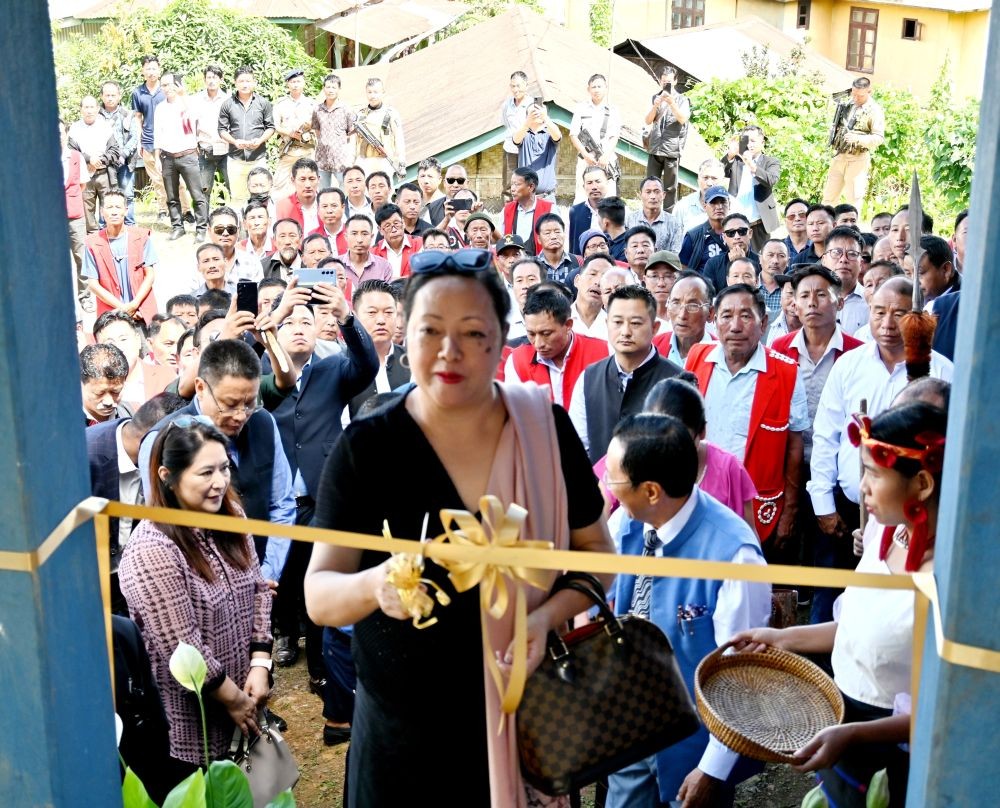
(526, 470)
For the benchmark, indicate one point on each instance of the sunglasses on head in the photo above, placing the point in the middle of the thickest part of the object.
(453, 180)
(225, 229)
(737, 231)
(467, 261)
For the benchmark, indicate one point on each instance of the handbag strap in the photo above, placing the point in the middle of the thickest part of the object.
(586, 578)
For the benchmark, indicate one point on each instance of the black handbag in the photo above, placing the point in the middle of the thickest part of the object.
(605, 696)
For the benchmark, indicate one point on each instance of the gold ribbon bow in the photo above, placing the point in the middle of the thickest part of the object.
(497, 529)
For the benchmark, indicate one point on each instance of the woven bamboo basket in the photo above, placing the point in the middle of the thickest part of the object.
(767, 704)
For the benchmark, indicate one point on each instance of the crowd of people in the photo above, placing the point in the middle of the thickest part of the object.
(356, 350)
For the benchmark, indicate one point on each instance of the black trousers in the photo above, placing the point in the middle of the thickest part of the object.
(290, 604)
(209, 167)
(835, 552)
(186, 168)
(666, 169)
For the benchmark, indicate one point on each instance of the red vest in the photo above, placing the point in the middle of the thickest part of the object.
(583, 352)
(381, 249)
(542, 206)
(107, 276)
(290, 208)
(662, 343)
(767, 437)
(338, 242)
(783, 345)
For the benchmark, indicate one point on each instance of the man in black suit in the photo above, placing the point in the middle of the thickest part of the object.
(113, 453)
(609, 390)
(752, 177)
(309, 422)
(583, 216)
(375, 305)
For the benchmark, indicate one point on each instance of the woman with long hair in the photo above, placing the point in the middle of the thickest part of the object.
(201, 587)
(902, 450)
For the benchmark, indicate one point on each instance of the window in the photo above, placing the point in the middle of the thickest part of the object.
(861, 40)
(687, 14)
(802, 15)
(911, 29)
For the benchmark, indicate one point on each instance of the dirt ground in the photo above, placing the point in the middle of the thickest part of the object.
(322, 768)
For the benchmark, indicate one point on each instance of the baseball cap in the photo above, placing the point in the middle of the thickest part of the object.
(671, 259)
(509, 241)
(716, 192)
(295, 71)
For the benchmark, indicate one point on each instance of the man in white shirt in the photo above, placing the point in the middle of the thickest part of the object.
(512, 117)
(587, 311)
(690, 210)
(524, 273)
(874, 373)
(668, 229)
(95, 139)
(240, 265)
(690, 310)
(176, 146)
(842, 256)
(212, 149)
(604, 123)
(652, 467)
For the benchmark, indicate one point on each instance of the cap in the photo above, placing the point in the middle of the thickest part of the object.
(716, 192)
(481, 217)
(671, 259)
(589, 234)
(509, 241)
(295, 71)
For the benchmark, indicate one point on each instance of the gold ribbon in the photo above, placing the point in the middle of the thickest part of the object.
(497, 530)
(471, 557)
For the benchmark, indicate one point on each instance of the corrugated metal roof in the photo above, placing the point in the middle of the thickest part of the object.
(451, 92)
(391, 21)
(715, 51)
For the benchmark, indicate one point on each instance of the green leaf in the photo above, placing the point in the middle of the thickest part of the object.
(813, 799)
(228, 786)
(187, 666)
(134, 792)
(878, 791)
(189, 793)
(284, 800)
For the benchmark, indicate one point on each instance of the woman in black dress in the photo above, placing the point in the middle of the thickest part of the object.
(420, 720)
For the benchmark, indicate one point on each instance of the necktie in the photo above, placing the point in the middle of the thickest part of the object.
(644, 583)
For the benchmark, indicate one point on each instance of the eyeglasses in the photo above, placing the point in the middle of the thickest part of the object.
(796, 216)
(226, 412)
(690, 308)
(660, 277)
(838, 252)
(455, 180)
(225, 229)
(737, 231)
(467, 261)
(608, 483)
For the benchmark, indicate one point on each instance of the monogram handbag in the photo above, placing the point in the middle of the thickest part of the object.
(605, 696)
(266, 761)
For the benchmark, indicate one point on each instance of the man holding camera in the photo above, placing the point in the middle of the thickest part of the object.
(752, 177)
(668, 121)
(861, 129)
(293, 121)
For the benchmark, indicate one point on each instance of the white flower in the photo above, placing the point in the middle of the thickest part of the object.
(187, 666)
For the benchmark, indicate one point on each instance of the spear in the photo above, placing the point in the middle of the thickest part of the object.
(917, 326)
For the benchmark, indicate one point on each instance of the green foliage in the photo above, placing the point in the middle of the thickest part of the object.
(815, 799)
(483, 10)
(790, 109)
(938, 139)
(600, 22)
(186, 36)
(878, 790)
(134, 793)
(188, 793)
(228, 785)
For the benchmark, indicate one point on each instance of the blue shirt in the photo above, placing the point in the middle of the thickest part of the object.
(145, 103)
(119, 251)
(281, 510)
(538, 152)
(729, 399)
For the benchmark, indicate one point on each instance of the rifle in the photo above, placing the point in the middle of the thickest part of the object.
(591, 145)
(841, 113)
(372, 140)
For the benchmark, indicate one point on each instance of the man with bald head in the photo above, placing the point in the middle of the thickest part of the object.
(875, 373)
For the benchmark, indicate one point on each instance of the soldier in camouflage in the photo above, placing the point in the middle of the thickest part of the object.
(860, 130)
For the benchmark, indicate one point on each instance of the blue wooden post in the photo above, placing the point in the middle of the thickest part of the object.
(954, 760)
(57, 746)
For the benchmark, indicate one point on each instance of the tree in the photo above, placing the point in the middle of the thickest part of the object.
(483, 10)
(185, 36)
(600, 22)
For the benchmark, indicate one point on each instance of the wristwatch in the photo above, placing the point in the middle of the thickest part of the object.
(348, 321)
(261, 663)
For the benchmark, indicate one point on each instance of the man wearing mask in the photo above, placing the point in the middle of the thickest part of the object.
(668, 121)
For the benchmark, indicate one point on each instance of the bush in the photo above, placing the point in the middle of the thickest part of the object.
(186, 36)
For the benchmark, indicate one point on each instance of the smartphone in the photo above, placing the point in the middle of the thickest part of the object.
(246, 296)
(308, 278)
(461, 204)
(744, 143)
